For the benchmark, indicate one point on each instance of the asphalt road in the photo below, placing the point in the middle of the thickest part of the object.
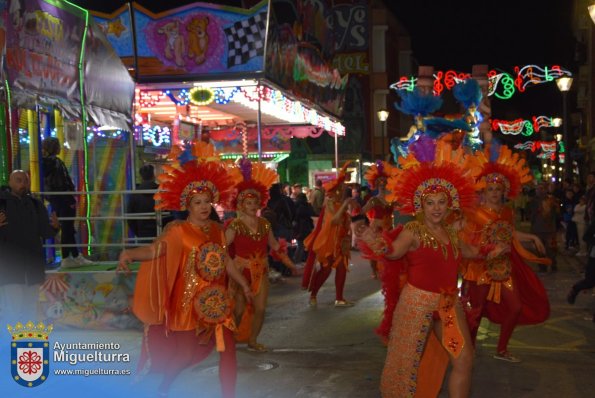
(333, 352)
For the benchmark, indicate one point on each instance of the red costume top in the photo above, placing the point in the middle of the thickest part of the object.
(185, 286)
(249, 253)
(249, 250)
(485, 227)
(433, 266)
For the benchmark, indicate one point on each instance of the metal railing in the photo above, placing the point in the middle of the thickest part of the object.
(122, 217)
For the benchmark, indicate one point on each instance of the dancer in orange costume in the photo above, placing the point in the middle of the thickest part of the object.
(427, 325)
(330, 243)
(181, 292)
(503, 288)
(378, 210)
(249, 237)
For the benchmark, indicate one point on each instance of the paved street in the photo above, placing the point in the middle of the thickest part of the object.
(333, 352)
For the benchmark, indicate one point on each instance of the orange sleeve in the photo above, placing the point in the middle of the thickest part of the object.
(155, 278)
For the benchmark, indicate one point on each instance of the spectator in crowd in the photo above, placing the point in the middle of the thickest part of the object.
(317, 199)
(579, 220)
(143, 203)
(590, 195)
(303, 225)
(296, 189)
(24, 224)
(571, 236)
(57, 179)
(544, 212)
(588, 282)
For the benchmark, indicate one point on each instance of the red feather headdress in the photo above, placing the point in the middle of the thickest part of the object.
(508, 169)
(192, 171)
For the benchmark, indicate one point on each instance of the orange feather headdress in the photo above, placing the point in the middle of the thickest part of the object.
(380, 169)
(192, 170)
(331, 186)
(506, 168)
(253, 180)
(450, 172)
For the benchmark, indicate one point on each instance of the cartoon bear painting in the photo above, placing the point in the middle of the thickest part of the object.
(174, 45)
(198, 39)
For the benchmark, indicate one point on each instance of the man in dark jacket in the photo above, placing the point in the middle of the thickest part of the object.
(24, 224)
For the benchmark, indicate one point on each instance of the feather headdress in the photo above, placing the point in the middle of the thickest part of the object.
(192, 170)
(331, 186)
(501, 166)
(380, 169)
(450, 172)
(253, 180)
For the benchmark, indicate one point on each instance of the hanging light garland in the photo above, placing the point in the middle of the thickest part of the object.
(502, 85)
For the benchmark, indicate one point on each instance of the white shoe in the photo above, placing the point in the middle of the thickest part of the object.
(80, 260)
(68, 262)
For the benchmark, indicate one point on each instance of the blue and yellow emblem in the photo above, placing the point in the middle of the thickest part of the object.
(30, 353)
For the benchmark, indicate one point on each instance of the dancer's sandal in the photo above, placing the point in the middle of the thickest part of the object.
(343, 303)
(256, 347)
(506, 356)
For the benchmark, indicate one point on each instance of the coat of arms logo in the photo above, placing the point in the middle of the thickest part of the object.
(30, 353)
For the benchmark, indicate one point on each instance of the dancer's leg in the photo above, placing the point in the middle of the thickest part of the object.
(512, 302)
(459, 380)
(259, 302)
(340, 277)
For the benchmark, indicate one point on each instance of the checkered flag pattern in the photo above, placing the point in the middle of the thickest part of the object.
(245, 39)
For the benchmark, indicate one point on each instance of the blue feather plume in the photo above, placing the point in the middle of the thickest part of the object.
(186, 155)
(416, 103)
(468, 93)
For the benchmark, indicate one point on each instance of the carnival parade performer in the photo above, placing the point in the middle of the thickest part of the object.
(504, 288)
(378, 210)
(329, 244)
(181, 292)
(249, 237)
(428, 325)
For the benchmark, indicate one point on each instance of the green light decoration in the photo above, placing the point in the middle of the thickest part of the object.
(561, 147)
(81, 68)
(508, 89)
(528, 130)
(201, 96)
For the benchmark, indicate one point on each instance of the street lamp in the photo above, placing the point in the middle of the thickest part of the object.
(382, 116)
(592, 11)
(564, 83)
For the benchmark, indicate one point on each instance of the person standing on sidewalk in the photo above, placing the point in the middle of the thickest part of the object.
(24, 224)
(57, 179)
(181, 292)
(248, 237)
(503, 288)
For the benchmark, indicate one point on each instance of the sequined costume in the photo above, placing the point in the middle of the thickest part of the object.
(249, 251)
(504, 289)
(430, 293)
